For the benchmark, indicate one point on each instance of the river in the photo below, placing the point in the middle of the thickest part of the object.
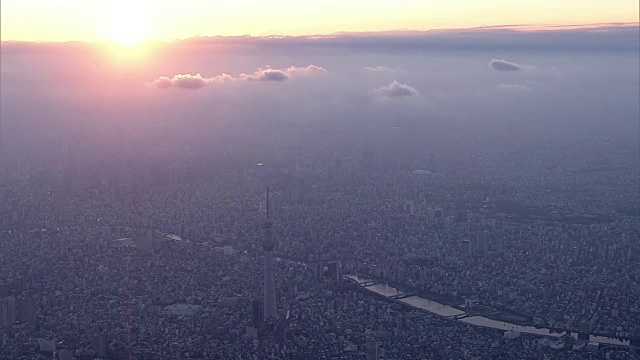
(454, 314)
(450, 312)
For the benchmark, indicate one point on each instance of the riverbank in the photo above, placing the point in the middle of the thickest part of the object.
(450, 307)
(457, 314)
(494, 313)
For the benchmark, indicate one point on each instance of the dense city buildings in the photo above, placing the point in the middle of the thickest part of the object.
(180, 270)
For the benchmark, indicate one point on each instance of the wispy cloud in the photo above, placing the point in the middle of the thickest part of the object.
(504, 65)
(394, 90)
(382, 69)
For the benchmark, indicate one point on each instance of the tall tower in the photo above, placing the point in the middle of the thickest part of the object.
(270, 308)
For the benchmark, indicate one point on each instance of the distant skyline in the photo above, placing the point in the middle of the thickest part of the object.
(142, 20)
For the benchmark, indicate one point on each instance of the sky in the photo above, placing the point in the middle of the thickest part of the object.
(457, 91)
(462, 91)
(130, 21)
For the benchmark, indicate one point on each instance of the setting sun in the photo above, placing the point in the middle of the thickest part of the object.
(128, 22)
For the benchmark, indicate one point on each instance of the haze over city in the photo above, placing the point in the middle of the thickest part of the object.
(319, 180)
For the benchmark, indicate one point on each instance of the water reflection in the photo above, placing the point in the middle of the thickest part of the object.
(175, 237)
(384, 289)
(501, 325)
(432, 306)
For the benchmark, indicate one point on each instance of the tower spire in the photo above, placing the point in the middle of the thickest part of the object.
(268, 207)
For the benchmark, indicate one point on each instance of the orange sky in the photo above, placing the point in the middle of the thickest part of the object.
(130, 21)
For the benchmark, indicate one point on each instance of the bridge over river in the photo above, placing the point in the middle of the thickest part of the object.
(434, 307)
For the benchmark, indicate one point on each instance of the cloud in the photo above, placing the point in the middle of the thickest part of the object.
(394, 90)
(189, 81)
(309, 70)
(265, 74)
(504, 65)
(601, 37)
(194, 127)
(268, 74)
(381, 69)
(517, 37)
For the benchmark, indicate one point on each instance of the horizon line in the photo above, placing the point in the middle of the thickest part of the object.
(516, 28)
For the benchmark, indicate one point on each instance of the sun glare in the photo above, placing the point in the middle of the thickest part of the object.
(128, 22)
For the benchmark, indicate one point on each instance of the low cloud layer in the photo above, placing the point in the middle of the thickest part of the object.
(225, 112)
(394, 90)
(504, 65)
(189, 81)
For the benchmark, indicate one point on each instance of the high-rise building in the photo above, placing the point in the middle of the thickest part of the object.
(146, 241)
(257, 313)
(332, 270)
(482, 242)
(65, 354)
(319, 270)
(7, 311)
(465, 247)
(25, 310)
(635, 338)
(270, 307)
(100, 344)
(409, 207)
(372, 346)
